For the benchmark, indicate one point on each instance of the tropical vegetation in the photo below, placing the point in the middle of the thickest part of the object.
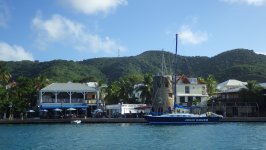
(240, 64)
(19, 92)
(17, 97)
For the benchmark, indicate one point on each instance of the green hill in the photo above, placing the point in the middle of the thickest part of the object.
(241, 64)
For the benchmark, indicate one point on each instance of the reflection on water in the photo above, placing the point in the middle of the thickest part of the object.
(133, 136)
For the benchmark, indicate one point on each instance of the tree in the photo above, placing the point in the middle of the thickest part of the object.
(40, 82)
(23, 95)
(112, 93)
(122, 90)
(195, 102)
(146, 89)
(252, 92)
(201, 80)
(5, 76)
(87, 79)
(4, 102)
(211, 84)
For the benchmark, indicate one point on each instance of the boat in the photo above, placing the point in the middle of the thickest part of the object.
(181, 117)
(76, 121)
(184, 118)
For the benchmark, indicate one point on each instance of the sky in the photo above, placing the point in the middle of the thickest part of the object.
(46, 30)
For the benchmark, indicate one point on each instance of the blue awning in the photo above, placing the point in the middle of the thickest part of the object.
(180, 106)
(63, 106)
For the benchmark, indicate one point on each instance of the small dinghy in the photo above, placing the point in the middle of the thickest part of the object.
(76, 121)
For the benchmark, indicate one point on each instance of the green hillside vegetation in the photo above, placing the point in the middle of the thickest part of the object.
(240, 64)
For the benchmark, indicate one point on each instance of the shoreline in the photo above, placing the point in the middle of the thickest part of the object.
(115, 120)
(63, 121)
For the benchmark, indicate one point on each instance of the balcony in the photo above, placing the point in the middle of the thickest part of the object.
(74, 100)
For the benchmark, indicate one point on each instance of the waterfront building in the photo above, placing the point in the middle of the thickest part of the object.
(228, 103)
(229, 90)
(127, 110)
(68, 99)
(189, 92)
(231, 84)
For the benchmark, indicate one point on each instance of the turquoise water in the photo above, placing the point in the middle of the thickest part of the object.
(236, 136)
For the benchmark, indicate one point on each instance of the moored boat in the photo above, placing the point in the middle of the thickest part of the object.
(184, 118)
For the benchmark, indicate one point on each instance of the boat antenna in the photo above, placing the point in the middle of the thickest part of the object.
(175, 70)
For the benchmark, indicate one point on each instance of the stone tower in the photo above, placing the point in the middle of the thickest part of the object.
(162, 97)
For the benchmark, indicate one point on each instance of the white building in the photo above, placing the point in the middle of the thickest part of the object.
(188, 90)
(231, 84)
(126, 108)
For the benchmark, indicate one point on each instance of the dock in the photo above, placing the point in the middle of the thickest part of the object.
(88, 120)
(244, 119)
(114, 120)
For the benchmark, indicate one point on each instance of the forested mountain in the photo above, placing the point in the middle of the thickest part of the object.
(241, 64)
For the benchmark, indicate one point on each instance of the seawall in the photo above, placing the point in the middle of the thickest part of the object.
(88, 120)
(116, 120)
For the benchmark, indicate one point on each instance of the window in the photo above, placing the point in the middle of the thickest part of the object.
(182, 99)
(190, 99)
(193, 80)
(203, 90)
(166, 84)
(187, 89)
(170, 94)
(198, 98)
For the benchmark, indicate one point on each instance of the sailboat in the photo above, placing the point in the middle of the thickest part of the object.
(182, 118)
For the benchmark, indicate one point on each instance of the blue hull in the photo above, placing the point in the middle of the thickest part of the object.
(181, 120)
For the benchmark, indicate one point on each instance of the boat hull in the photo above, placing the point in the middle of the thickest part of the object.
(181, 120)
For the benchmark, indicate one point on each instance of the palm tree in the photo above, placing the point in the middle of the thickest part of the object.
(146, 89)
(211, 85)
(251, 92)
(40, 82)
(201, 80)
(5, 76)
(122, 90)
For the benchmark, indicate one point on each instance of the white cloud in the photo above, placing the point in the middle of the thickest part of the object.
(61, 30)
(93, 6)
(187, 36)
(13, 53)
(263, 53)
(249, 2)
(4, 14)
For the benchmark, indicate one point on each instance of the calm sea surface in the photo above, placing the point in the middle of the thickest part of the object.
(224, 136)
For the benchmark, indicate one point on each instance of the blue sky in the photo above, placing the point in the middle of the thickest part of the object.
(45, 30)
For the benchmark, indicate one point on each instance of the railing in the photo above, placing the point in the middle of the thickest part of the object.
(74, 100)
(48, 100)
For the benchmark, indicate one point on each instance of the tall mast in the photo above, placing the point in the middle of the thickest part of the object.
(163, 64)
(175, 69)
